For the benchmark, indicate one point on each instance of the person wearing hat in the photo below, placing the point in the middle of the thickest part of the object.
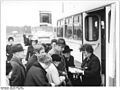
(53, 45)
(69, 61)
(18, 74)
(58, 46)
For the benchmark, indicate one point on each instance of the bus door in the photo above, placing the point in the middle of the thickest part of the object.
(94, 33)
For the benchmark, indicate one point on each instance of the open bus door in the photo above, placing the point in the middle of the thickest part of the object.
(99, 30)
(92, 35)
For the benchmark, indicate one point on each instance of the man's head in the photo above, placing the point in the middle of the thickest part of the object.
(10, 40)
(18, 51)
(60, 44)
(53, 43)
(34, 42)
(39, 49)
(45, 60)
(56, 59)
(86, 49)
(30, 37)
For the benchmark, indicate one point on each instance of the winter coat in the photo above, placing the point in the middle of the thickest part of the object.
(9, 53)
(19, 72)
(91, 69)
(27, 42)
(53, 75)
(69, 62)
(36, 76)
(30, 52)
(31, 61)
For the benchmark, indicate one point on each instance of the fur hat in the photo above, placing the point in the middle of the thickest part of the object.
(17, 48)
(56, 57)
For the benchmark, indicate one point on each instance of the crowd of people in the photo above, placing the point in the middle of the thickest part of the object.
(49, 65)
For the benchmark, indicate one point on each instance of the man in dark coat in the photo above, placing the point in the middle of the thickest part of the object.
(27, 41)
(36, 75)
(69, 61)
(30, 50)
(91, 67)
(38, 49)
(18, 75)
(9, 53)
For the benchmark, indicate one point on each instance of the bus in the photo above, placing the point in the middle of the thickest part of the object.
(98, 27)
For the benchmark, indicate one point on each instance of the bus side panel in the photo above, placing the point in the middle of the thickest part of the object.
(110, 44)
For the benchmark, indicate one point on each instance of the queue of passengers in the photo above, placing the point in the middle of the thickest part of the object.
(50, 67)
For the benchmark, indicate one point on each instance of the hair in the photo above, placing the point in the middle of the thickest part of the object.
(30, 35)
(8, 67)
(53, 41)
(47, 47)
(44, 58)
(36, 41)
(38, 48)
(10, 38)
(87, 47)
(56, 58)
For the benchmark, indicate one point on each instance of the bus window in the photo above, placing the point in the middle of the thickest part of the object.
(68, 28)
(60, 31)
(77, 28)
(91, 28)
(77, 32)
(68, 31)
(60, 28)
(76, 19)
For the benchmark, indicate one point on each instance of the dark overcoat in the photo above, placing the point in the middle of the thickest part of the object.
(91, 69)
(36, 76)
(9, 53)
(19, 72)
(30, 52)
(69, 62)
(27, 42)
(31, 61)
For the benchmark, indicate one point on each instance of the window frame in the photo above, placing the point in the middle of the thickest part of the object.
(87, 31)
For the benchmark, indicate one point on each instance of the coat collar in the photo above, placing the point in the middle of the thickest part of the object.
(17, 60)
(89, 58)
(37, 64)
